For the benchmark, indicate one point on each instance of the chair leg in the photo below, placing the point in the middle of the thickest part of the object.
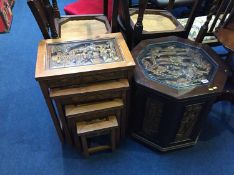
(85, 146)
(75, 137)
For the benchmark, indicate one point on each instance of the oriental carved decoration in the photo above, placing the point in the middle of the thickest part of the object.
(189, 119)
(177, 81)
(74, 54)
(177, 65)
(152, 118)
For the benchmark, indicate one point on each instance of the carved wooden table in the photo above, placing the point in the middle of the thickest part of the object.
(82, 78)
(176, 83)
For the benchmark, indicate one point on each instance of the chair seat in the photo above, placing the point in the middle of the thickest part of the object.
(156, 21)
(77, 28)
(164, 3)
(84, 7)
(153, 23)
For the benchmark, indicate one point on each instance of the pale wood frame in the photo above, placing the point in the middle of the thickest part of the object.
(48, 78)
(43, 73)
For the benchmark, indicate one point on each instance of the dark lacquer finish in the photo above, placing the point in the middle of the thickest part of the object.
(177, 65)
(168, 112)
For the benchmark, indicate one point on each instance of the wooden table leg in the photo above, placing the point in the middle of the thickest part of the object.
(53, 115)
(68, 137)
(118, 130)
(85, 145)
(73, 129)
(113, 144)
(128, 101)
(123, 124)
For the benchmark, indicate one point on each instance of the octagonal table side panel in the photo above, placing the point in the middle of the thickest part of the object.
(168, 124)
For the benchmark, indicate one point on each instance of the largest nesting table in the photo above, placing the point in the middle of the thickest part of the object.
(83, 71)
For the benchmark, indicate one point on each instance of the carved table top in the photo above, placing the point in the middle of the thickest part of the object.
(92, 55)
(83, 53)
(178, 67)
(176, 64)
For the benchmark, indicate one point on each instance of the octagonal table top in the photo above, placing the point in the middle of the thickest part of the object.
(179, 68)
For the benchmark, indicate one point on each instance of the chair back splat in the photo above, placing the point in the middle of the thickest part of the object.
(138, 28)
(55, 9)
(51, 18)
(217, 16)
(38, 10)
(220, 23)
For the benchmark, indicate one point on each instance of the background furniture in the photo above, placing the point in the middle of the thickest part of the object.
(84, 7)
(6, 15)
(216, 17)
(142, 23)
(225, 35)
(176, 83)
(219, 25)
(52, 25)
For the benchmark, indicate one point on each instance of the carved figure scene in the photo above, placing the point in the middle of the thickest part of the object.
(91, 52)
(176, 65)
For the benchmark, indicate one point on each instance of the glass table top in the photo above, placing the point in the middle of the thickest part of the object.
(82, 53)
(176, 64)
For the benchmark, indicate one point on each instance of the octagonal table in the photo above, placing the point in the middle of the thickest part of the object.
(176, 83)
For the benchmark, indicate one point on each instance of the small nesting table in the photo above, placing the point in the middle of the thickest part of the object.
(105, 126)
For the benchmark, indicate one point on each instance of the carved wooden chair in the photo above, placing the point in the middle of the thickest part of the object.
(52, 25)
(225, 35)
(220, 26)
(142, 23)
(216, 17)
